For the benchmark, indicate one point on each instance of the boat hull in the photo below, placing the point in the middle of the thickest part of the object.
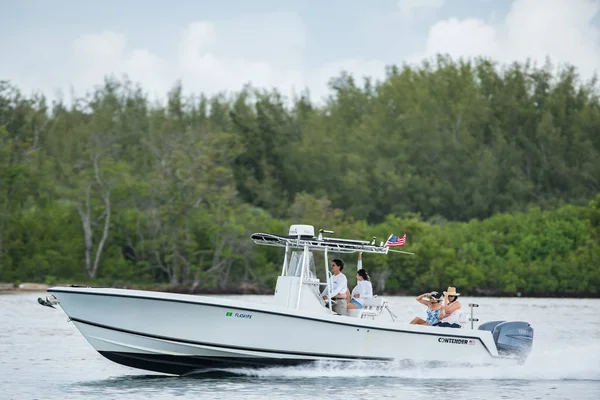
(180, 334)
(185, 365)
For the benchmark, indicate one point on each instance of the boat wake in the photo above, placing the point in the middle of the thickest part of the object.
(565, 363)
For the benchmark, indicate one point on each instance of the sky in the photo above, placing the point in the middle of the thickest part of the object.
(69, 46)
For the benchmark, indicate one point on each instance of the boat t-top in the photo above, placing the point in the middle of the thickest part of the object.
(184, 333)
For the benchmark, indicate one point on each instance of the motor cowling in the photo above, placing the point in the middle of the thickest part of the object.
(489, 326)
(513, 338)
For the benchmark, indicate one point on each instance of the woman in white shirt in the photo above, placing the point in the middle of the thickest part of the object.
(362, 291)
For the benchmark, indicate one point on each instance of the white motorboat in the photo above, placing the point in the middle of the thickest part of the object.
(181, 333)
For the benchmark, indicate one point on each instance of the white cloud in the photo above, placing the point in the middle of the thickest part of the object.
(561, 29)
(265, 50)
(203, 67)
(469, 37)
(534, 29)
(94, 56)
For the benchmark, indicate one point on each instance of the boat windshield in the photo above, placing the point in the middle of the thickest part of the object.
(295, 265)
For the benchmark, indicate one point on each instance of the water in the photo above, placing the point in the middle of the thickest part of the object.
(42, 356)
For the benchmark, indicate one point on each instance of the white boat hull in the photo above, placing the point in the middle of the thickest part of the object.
(179, 334)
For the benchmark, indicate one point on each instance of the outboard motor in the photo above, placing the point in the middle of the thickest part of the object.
(513, 338)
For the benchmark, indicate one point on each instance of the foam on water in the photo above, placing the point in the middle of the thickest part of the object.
(560, 363)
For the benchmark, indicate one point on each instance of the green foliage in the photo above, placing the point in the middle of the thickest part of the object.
(491, 171)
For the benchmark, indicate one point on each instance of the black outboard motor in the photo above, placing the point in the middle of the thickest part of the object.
(513, 338)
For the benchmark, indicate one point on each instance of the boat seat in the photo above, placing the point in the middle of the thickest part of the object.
(374, 302)
(372, 307)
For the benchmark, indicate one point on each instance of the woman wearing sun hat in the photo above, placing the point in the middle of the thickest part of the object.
(451, 309)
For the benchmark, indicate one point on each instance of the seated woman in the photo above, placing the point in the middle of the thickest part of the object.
(451, 310)
(433, 309)
(362, 291)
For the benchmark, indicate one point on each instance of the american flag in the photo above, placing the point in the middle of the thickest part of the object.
(396, 241)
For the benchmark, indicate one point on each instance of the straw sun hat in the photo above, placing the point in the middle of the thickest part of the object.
(451, 292)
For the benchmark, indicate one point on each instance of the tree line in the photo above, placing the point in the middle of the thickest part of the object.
(492, 171)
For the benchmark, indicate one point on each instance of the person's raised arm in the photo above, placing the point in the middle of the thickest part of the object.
(420, 299)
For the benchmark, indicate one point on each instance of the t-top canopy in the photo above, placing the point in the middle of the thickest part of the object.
(318, 243)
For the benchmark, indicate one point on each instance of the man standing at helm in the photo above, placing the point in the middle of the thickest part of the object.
(339, 285)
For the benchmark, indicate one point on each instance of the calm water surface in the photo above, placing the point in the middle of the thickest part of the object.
(42, 356)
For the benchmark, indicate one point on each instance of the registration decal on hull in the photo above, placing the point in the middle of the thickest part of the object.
(238, 315)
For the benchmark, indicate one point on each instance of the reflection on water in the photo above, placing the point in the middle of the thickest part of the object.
(43, 356)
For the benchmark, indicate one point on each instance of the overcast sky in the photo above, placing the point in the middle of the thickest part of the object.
(290, 44)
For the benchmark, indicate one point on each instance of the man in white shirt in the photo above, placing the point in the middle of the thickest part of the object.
(339, 285)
